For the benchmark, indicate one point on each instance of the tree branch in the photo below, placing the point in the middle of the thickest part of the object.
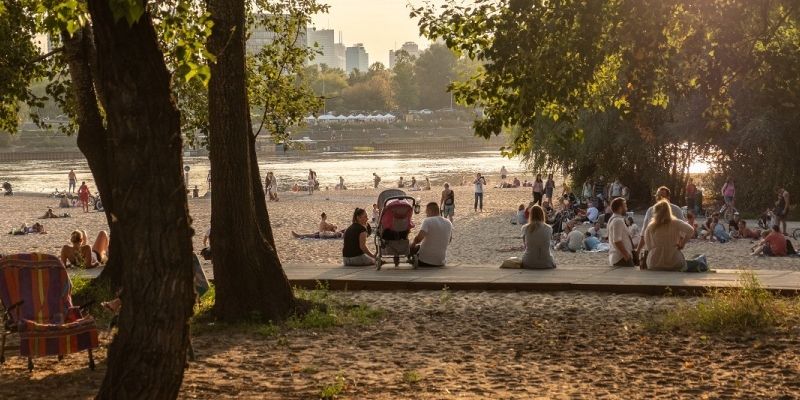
(46, 55)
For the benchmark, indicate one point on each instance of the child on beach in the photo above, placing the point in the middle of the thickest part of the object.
(520, 217)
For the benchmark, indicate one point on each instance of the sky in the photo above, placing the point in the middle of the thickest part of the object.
(381, 25)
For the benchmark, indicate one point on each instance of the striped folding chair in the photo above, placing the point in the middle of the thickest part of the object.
(35, 293)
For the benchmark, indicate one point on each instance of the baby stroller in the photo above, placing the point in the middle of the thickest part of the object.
(391, 237)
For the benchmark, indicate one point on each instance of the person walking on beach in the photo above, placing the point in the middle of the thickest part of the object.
(549, 187)
(538, 189)
(728, 195)
(312, 181)
(83, 196)
(448, 202)
(479, 183)
(503, 174)
(271, 186)
(376, 179)
(72, 179)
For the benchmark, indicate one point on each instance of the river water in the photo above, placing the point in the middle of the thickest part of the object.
(355, 167)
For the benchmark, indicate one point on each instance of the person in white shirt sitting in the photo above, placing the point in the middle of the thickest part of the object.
(592, 213)
(435, 234)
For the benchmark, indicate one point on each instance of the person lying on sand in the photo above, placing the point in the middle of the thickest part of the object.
(79, 254)
(25, 229)
(50, 214)
(326, 231)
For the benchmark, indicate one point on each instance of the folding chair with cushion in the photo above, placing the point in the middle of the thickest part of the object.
(35, 292)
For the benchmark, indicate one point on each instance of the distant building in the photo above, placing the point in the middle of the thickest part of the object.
(43, 42)
(261, 37)
(410, 47)
(323, 38)
(341, 55)
(356, 57)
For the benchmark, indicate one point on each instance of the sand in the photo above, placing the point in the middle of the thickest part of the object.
(461, 344)
(470, 345)
(480, 238)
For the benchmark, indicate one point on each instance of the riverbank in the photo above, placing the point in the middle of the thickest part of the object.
(479, 238)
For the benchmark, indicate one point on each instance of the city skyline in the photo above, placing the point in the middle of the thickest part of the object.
(380, 26)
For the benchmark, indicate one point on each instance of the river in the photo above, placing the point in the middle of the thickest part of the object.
(355, 167)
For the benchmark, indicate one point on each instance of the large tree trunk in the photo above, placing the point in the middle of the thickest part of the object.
(150, 213)
(92, 135)
(248, 276)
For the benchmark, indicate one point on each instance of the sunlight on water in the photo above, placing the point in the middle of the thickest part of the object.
(356, 169)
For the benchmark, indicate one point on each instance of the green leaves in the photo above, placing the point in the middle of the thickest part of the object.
(129, 10)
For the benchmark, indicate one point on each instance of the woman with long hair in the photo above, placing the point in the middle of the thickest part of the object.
(536, 235)
(665, 237)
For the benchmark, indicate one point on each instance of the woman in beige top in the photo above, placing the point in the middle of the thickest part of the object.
(665, 236)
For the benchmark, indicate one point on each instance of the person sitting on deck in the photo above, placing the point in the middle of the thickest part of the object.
(355, 251)
(435, 234)
(664, 238)
(536, 237)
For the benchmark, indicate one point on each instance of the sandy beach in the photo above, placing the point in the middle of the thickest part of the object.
(469, 345)
(480, 238)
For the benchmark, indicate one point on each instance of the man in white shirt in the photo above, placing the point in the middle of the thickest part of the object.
(592, 213)
(620, 252)
(434, 235)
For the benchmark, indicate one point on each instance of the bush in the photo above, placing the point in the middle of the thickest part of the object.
(747, 308)
(85, 290)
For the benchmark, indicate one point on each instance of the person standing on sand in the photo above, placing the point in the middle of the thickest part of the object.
(376, 179)
(691, 196)
(83, 196)
(549, 187)
(538, 189)
(781, 208)
(479, 183)
(448, 202)
(312, 181)
(503, 174)
(72, 179)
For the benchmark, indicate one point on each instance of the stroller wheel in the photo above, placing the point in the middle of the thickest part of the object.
(378, 264)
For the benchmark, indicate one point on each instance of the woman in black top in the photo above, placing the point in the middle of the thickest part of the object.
(355, 251)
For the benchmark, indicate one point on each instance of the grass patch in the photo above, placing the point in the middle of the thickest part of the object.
(411, 377)
(334, 389)
(747, 308)
(85, 290)
(325, 312)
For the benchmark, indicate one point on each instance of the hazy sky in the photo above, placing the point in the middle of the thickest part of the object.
(379, 24)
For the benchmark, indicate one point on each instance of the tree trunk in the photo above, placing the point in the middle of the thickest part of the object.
(249, 280)
(262, 215)
(150, 212)
(92, 135)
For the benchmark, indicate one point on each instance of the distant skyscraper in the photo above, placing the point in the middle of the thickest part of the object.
(410, 47)
(324, 41)
(356, 58)
(341, 55)
(260, 36)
